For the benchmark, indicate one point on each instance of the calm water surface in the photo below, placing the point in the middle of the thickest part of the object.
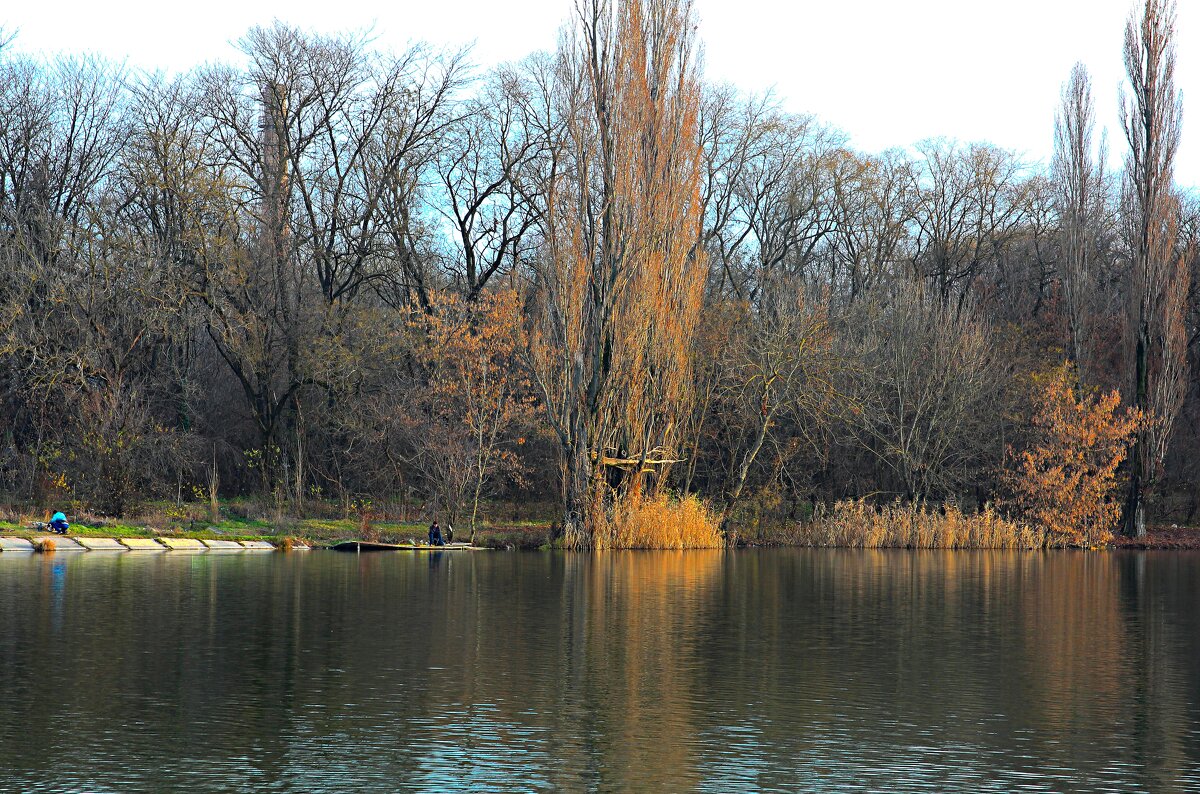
(797, 670)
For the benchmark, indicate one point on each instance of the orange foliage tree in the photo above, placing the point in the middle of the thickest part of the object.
(477, 398)
(619, 288)
(1065, 481)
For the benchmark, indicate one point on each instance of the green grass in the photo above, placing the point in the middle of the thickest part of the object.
(82, 530)
(241, 520)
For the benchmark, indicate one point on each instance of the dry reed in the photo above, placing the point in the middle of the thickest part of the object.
(665, 523)
(44, 545)
(366, 527)
(857, 524)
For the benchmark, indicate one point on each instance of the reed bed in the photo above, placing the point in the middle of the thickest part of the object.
(857, 524)
(44, 545)
(664, 522)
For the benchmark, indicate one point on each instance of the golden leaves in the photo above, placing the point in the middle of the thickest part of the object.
(1065, 480)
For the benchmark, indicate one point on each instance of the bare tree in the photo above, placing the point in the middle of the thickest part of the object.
(922, 385)
(968, 206)
(488, 199)
(873, 210)
(63, 129)
(779, 370)
(1151, 118)
(785, 195)
(1081, 199)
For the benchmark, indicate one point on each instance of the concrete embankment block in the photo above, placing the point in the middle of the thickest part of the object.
(15, 544)
(257, 545)
(223, 545)
(101, 544)
(62, 543)
(143, 544)
(183, 544)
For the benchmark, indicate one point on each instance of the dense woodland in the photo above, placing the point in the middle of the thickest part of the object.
(337, 274)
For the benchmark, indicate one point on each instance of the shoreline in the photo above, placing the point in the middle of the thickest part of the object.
(1171, 538)
(303, 534)
(1177, 540)
(294, 533)
(52, 544)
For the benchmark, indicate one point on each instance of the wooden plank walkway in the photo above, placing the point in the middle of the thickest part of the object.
(367, 545)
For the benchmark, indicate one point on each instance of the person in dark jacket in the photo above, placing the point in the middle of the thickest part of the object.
(435, 535)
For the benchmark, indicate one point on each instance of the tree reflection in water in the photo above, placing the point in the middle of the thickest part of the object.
(708, 670)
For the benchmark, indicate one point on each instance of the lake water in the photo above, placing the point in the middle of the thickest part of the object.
(769, 670)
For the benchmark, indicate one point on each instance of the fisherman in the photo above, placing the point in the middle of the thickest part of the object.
(435, 535)
(59, 523)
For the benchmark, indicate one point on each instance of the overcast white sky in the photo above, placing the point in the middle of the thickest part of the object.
(889, 73)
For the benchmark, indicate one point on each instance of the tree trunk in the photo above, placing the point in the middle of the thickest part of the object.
(214, 484)
(1134, 519)
(475, 504)
(739, 482)
(579, 502)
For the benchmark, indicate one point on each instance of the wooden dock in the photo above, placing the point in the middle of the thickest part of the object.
(367, 545)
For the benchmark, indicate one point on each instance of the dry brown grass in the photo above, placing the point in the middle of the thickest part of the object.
(857, 524)
(665, 523)
(44, 545)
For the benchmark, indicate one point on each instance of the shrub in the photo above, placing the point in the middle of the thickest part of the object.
(1065, 480)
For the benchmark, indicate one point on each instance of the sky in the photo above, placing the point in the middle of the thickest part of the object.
(886, 72)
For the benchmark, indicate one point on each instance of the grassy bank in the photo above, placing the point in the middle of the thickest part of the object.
(314, 532)
(243, 521)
